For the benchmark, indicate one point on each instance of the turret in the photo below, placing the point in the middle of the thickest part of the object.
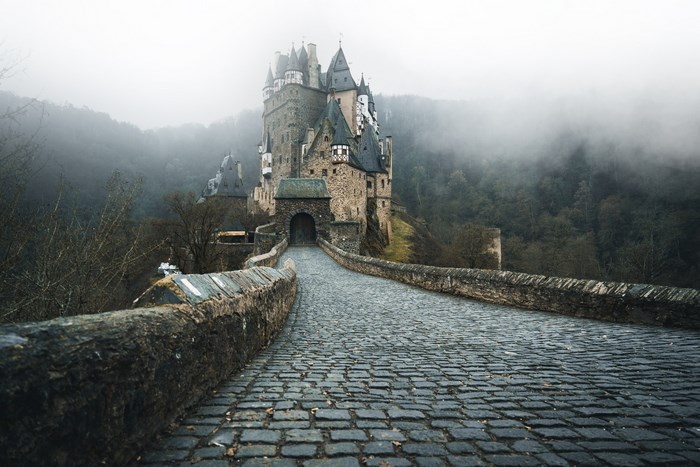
(340, 150)
(269, 88)
(266, 159)
(293, 73)
(280, 69)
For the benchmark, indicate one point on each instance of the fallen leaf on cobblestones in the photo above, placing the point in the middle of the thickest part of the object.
(230, 452)
(384, 464)
(270, 411)
(396, 443)
(314, 409)
(189, 427)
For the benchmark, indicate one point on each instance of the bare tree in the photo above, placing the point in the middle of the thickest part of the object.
(192, 234)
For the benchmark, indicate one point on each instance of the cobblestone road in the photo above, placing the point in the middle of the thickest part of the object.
(369, 371)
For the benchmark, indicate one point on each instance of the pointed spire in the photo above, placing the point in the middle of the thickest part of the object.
(293, 64)
(270, 81)
(268, 144)
(364, 90)
(340, 138)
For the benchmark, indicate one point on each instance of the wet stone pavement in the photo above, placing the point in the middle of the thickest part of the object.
(372, 372)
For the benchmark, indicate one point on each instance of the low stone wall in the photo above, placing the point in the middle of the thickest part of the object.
(95, 389)
(270, 258)
(265, 238)
(610, 301)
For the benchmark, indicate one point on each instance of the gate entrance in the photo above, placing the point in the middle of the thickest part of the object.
(302, 229)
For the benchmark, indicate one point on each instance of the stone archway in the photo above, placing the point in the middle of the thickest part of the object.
(302, 229)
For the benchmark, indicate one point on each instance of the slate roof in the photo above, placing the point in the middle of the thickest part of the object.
(270, 80)
(268, 144)
(281, 66)
(340, 137)
(338, 75)
(369, 153)
(302, 188)
(293, 64)
(363, 89)
(226, 182)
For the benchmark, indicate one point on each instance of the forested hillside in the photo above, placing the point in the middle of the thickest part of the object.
(576, 189)
(576, 192)
(85, 147)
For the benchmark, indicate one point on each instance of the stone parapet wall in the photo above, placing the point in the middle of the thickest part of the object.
(609, 301)
(265, 238)
(270, 258)
(95, 389)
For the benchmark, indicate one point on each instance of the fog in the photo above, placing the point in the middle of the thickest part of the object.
(622, 70)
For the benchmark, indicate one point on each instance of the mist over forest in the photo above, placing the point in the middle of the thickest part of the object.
(588, 186)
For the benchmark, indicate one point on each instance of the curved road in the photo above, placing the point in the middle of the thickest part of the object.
(370, 371)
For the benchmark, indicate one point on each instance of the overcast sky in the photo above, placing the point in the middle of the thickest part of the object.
(168, 62)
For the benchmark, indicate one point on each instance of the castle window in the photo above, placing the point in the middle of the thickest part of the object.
(358, 210)
(323, 153)
(382, 183)
(382, 203)
(339, 100)
(325, 139)
(311, 172)
(369, 184)
(333, 171)
(324, 172)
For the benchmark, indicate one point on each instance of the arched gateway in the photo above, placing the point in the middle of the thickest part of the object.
(302, 229)
(302, 210)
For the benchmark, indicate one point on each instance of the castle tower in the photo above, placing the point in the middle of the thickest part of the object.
(266, 158)
(293, 73)
(269, 87)
(340, 83)
(280, 70)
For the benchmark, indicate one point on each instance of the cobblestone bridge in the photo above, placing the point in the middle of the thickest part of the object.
(369, 371)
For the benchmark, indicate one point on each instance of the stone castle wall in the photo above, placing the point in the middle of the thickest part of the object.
(608, 301)
(95, 389)
(346, 236)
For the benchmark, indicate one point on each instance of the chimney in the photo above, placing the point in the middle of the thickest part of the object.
(314, 80)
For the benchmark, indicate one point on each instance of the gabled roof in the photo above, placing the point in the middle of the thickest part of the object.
(369, 153)
(302, 188)
(331, 112)
(338, 75)
(270, 80)
(226, 182)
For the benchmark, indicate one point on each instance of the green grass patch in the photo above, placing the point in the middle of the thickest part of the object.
(400, 248)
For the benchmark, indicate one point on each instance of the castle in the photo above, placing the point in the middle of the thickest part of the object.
(321, 150)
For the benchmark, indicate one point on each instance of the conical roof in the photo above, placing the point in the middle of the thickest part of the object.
(363, 90)
(340, 138)
(270, 80)
(303, 57)
(281, 66)
(293, 64)
(268, 144)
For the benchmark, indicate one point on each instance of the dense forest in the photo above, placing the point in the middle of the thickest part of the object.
(576, 190)
(586, 193)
